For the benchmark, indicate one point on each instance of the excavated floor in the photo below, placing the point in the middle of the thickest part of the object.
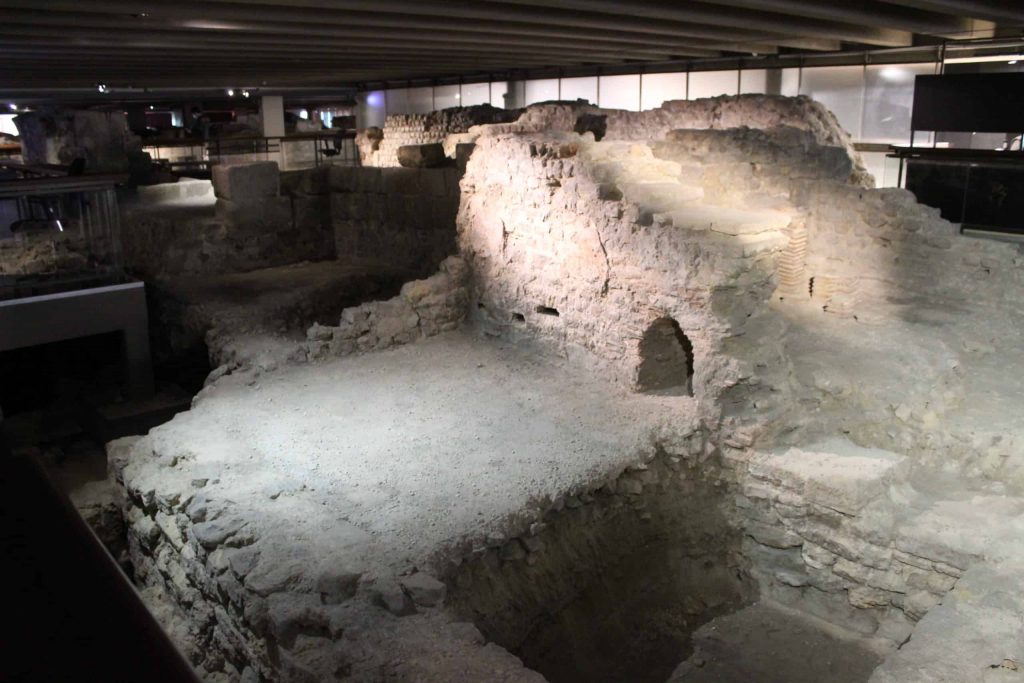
(383, 444)
(420, 455)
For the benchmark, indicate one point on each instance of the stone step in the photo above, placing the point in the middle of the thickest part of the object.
(974, 635)
(764, 643)
(834, 473)
(661, 197)
(729, 221)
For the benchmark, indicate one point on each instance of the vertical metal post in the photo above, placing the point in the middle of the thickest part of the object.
(963, 205)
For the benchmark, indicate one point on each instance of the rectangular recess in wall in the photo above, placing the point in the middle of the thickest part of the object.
(656, 89)
(499, 90)
(790, 82)
(619, 92)
(397, 101)
(421, 100)
(889, 100)
(584, 88)
(541, 90)
(370, 109)
(753, 81)
(713, 83)
(840, 89)
(447, 96)
(475, 93)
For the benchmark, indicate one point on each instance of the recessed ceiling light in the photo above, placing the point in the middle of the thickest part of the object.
(231, 92)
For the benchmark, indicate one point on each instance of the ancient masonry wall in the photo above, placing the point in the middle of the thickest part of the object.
(404, 217)
(578, 247)
(164, 238)
(562, 257)
(435, 127)
(424, 308)
(732, 113)
(817, 539)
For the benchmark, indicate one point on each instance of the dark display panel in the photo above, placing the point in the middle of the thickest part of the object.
(984, 103)
(984, 196)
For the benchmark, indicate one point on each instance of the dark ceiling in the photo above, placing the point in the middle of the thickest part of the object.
(63, 44)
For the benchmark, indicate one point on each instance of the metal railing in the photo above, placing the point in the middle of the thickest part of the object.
(327, 147)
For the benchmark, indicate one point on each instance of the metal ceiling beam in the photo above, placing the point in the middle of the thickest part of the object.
(149, 40)
(175, 17)
(78, 22)
(301, 41)
(696, 12)
(865, 12)
(388, 13)
(1010, 12)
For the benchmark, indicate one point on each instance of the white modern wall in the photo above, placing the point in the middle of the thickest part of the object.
(872, 102)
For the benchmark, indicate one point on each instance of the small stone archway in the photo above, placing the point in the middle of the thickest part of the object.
(666, 359)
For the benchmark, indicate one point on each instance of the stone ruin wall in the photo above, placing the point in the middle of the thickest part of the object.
(558, 257)
(435, 127)
(452, 126)
(551, 222)
(274, 224)
(545, 224)
(403, 217)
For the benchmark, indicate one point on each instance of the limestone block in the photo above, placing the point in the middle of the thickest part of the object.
(337, 583)
(308, 181)
(422, 156)
(435, 182)
(401, 180)
(391, 597)
(342, 178)
(835, 474)
(256, 215)
(424, 589)
(292, 613)
(248, 182)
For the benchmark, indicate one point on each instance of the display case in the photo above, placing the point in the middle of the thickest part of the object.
(61, 269)
(58, 234)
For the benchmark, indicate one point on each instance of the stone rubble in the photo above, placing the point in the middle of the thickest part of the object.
(424, 308)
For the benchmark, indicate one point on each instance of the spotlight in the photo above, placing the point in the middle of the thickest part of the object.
(102, 88)
(151, 107)
(12, 106)
(245, 93)
(231, 92)
(1012, 61)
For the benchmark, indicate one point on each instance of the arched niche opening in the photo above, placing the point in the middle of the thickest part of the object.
(666, 359)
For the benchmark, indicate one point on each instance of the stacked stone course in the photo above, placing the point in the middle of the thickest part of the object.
(435, 127)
